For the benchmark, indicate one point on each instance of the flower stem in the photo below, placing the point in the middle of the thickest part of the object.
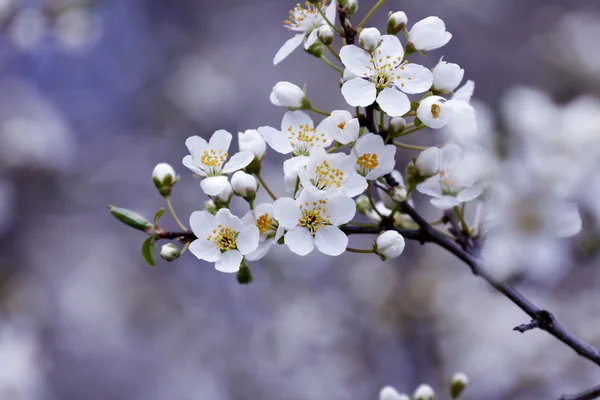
(265, 186)
(408, 146)
(173, 214)
(335, 53)
(372, 202)
(460, 212)
(363, 225)
(325, 113)
(370, 13)
(328, 21)
(362, 251)
(332, 65)
(410, 130)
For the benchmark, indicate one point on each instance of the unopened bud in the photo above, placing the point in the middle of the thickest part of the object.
(244, 185)
(351, 7)
(458, 383)
(288, 95)
(169, 252)
(396, 22)
(325, 34)
(390, 244)
(251, 140)
(210, 206)
(389, 393)
(369, 39)
(396, 125)
(164, 177)
(428, 162)
(424, 392)
(363, 205)
(316, 49)
(222, 199)
(447, 76)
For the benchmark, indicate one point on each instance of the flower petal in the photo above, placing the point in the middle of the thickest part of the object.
(238, 161)
(445, 202)
(311, 39)
(276, 139)
(341, 208)
(451, 154)
(330, 240)
(220, 140)
(299, 241)
(470, 193)
(247, 239)
(355, 184)
(295, 119)
(431, 186)
(414, 78)
(196, 146)
(205, 250)
(393, 102)
(225, 218)
(286, 212)
(213, 185)
(202, 223)
(189, 162)
(357, 60)
(260, 252)
(391, 46)
(330, 12)
(287, 48)
(359, 92)
(230, 262)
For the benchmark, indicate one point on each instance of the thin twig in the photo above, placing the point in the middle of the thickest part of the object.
(589, 394)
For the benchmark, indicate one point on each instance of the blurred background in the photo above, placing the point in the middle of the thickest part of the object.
(94, 93)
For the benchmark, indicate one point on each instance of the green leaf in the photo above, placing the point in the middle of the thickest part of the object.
(158, 214)
(148, 251)
(130, 218)
(244, 276)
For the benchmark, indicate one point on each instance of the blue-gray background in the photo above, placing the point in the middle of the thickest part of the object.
(93, 96)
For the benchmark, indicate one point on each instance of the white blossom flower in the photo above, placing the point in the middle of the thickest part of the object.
(389, 244)
(251, 140)
(268, 229)
(389, 393)
(372, 157)
(222, 238)
(286, 94)
(396, 22)
(244, 185)
(343, 127)
(207, 159)
(447, 76)
(383, 77)
(297, 136)
(424, 392)
(456, 115)
(458, 180)
(429, 34)
(331, 174)
(305, 21)
(369, 39)
(312, 221)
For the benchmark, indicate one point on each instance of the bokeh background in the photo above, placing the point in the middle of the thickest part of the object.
(93, 94)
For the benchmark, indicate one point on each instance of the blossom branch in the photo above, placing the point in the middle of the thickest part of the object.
(589, 394)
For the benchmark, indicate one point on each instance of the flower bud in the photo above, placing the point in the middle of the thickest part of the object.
(222, 199)
(169, 252)
(288, 95)
(458, 383)
(429, 34)
(396, 22)
(447, 76)
(424, 392)
(252, 141)
(428, 162)
(164, 177)
(389, 393)
(325, 34)
(316, 49)
(363, 205)
(244, 185)
(369, 39)
(351, 7)
(390, 244)
(396, 125)
(210, 206)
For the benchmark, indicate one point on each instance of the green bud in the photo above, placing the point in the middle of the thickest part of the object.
(458, 383)
(244, 276)
(417, 122)
(315, 50)
(396, 22)
(363, 205)
(164, 178)
(211, 207)
(132, 219)
(351, 7)
(410, 48)
(254, 167)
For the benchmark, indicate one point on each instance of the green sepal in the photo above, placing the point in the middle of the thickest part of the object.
(417, 122)
(244, 276)
(158, 214)
(148, 251)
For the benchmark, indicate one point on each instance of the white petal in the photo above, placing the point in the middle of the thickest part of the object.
(274, 100)
(451, 154)
(311, 39)
(220, 140)
(330, 12)
(431, 186)
(260, 252)
(294, 164)
(295, 119)
(391, 46)
(196, 146)
(230, 261)
(393, 102)
(225, 218)
(238, 161)
(205, 250)
(420, 80)
(286, 212)
(462, 121)
(341, 208)
(445, 202)
(287, 48)
(356, 60)
(189, 162)
(330, 240)
(299, 241)
(247, 239)
(470, 193)
(359, 92)
(355, 184)
(424, 112)
(465, 92)
(276, 139)
(202, 223)
(213, 185)
(568, 220)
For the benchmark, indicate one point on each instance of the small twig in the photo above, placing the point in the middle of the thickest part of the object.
(527, 327)
(589, 394)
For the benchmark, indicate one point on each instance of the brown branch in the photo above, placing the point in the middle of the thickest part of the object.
(589, 394)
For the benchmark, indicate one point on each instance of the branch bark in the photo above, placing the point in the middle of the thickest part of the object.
(589, 394)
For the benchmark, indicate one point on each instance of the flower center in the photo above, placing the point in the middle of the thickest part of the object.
(264, 223)
(314, 217)
(383, 68)
(305, 139)
(366, 163)
(435, 111)
(213, 160)
(305, 19)
(224, 238)
(341, 125)
(327, 177)
(449, 185)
